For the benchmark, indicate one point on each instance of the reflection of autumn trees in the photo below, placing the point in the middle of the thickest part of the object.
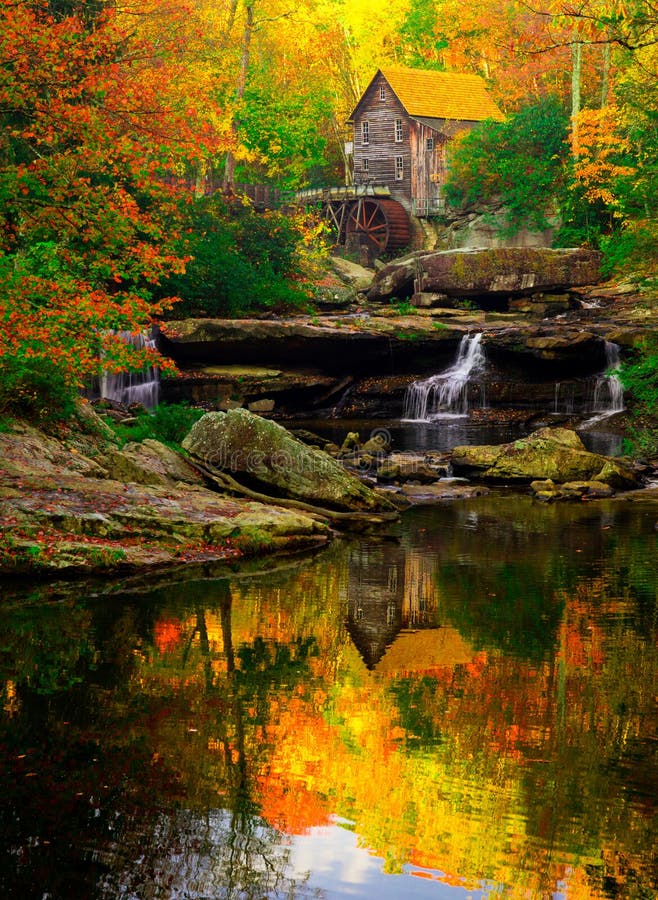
(482, 745)
(497, 761)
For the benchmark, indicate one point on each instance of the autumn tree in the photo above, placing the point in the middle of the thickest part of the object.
(94, 131)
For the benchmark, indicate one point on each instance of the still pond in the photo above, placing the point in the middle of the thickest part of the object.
(464, 706)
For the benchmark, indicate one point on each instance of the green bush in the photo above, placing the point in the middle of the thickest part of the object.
(169, 423)
(242, 261)
(35, 389)
(518, 163)
(640, 378)
(633, 247)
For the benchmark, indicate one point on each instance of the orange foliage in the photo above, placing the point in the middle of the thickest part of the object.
(600, 144)
(94, 125)
(167, 634)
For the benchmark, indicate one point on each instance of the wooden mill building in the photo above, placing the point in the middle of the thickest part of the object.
(402, 126)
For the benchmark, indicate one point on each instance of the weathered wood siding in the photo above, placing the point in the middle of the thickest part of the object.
(382, 148)
(424, 165)
(428, 166)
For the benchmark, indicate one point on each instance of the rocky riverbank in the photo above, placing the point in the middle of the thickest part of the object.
(76, 503)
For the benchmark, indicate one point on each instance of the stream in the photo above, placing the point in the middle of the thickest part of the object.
(460, 707)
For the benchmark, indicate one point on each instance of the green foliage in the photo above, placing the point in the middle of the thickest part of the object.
(634, 247)
(417, 701)
(283, 132)
(421, 45)
(640, 378)
(510, 608)
(169, 423)
(242, 261)
(35, 389)
(637, 97)
(518, 163)
(404, 308)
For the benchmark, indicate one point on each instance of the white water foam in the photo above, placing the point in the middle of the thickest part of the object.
(608, 390)
(446, 394)
(133, 387)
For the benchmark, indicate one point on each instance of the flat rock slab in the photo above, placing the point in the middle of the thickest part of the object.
(235, 385)
(476, 273)
(420, 494)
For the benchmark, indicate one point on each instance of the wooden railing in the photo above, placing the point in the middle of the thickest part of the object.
(430, 206)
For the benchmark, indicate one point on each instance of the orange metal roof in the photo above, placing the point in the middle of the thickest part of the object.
(442, 95)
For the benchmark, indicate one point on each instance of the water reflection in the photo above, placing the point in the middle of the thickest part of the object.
(444, 433)
(464, 705)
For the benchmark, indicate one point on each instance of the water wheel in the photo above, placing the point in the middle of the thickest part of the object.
(382, 224)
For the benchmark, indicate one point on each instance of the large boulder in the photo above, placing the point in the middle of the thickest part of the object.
(557, 454)
(263, 453)
(495, 271)
(352, 273)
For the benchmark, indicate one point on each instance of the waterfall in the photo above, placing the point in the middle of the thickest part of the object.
(447, 392)
(608, 396)
(608, 390)
(564, 397)
(133, 387)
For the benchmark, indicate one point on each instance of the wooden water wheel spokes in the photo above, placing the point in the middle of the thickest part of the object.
(335, 215)
(381, 223)
(366, 217)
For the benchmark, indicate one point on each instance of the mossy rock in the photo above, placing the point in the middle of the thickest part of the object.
(478, 272)
(265, 454)
(557, 454)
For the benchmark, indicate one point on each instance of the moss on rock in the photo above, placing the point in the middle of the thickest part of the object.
(557, 454)
(265, 453)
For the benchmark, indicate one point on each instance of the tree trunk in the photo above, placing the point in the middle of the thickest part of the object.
(576, 68)
(605, 75)
(229, 168)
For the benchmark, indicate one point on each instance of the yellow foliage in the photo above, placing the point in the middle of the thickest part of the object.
(601, 140)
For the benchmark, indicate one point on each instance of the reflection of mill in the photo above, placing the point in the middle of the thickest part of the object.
(389, 591)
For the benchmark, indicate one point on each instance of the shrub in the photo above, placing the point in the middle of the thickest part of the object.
(35, 389)
(169, 423)
(632, 247)
(241, 261)
(640, 378)
(518, 163)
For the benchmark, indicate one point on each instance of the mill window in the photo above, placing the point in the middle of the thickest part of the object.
(430, 143)
(399, 168)
(398, 131)
(365, 165)
(382, 92)
(365, 132)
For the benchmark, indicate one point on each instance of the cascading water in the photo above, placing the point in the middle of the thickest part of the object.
(564, 398)
(608, 396)
(447, 392)
(133, 387)
(608, 390)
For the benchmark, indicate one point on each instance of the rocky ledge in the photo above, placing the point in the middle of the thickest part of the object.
(77, 504)
(481, 273)
(361, 364)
